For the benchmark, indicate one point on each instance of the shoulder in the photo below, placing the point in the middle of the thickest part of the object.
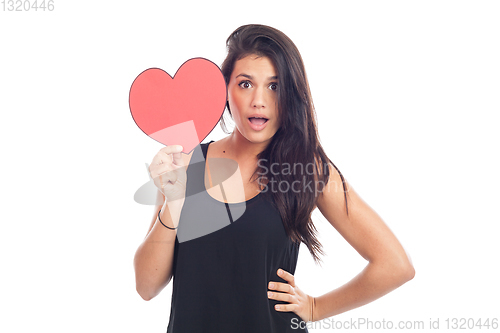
(333, 191)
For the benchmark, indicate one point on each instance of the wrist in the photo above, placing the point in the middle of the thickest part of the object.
(170, 213)
(174, 205)
(312, 301)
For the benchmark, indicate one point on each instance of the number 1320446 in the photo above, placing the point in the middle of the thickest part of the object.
(27, 5)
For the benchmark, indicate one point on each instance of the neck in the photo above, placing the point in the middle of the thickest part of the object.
(244, 150)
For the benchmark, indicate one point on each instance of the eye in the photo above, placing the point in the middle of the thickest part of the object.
(245, 84)
(273, 86)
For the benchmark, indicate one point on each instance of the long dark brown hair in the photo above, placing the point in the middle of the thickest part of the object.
(296, 143)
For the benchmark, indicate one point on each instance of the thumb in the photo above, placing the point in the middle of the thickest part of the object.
(177, 157)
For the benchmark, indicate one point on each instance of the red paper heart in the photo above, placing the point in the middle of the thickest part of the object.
(181, 110)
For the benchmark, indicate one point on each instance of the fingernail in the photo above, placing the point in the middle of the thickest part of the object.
(277, 307)
(280, 272)
(271, 285)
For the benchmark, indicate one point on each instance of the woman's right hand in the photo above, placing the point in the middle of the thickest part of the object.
(169, 173)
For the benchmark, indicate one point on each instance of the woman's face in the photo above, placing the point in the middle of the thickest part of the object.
(252, 93)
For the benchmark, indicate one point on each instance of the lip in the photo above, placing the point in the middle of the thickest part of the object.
(257, 127)
(258, 115)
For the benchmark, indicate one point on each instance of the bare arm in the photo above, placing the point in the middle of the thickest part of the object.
(388, 266)
(153, 259)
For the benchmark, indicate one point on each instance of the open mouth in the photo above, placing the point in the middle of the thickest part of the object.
(258, 121)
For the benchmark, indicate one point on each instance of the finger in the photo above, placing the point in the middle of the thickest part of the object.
(156, 168)
(171, 149)
(286, 276)
(285, 307)
(170, 156)
(159, 159)
(168, 177)
(177, 158)
(284, 287)
(281, 297)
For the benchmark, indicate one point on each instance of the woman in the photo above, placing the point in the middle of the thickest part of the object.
(238, 277)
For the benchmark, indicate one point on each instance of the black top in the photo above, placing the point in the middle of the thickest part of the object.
(225, 255)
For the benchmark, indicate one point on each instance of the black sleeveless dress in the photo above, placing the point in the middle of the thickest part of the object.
(225, 255)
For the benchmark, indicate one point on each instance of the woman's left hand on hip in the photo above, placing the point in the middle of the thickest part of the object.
(300, 303)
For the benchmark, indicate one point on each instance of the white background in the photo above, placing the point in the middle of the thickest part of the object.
(407, 97)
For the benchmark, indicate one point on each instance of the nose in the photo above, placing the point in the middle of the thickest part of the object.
(258, 100)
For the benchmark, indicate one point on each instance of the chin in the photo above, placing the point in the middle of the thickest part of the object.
(251, 136)
(259, 138)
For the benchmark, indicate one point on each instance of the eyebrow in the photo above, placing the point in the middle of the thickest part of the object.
(251, 77)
